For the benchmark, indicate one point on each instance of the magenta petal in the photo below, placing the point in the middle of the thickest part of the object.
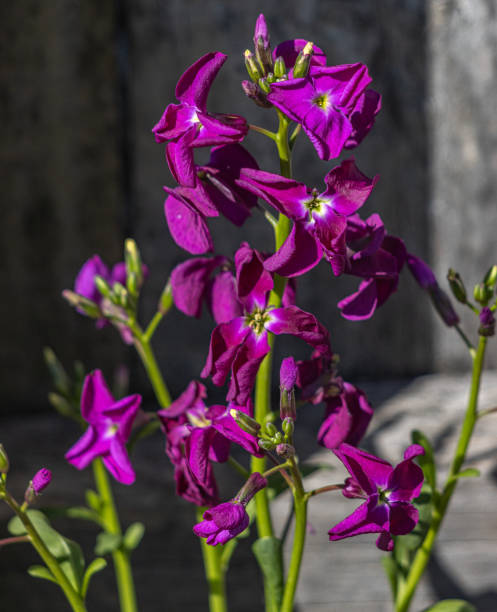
(362, 117)
(299, 253)
(95, 396)
(367, 518)
(85, 450)
(190, 283)
(197, 447)
(348, 187)
(118, 463)
(303, 325)
(223, 299)
(187, 226)
(225, 342)
(289, 50)
(220, 129)
(85, 280)
(176, 119)
(254, 282)
(328, 131)
(123, 413)
(192, 397)
(180, 160)
(385, 541)
(345, 83)
(403, 518)
(362, 304)
(245, 367)
(228, 427)
(369, 471)
(193, 86)
(405, 481)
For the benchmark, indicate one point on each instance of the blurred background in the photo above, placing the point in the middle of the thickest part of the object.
(82, 83)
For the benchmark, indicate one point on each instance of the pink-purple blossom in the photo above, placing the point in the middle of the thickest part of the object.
(109, 428)
(227, 520)
(241, 344)
(41, 480)
(320, 219)
(333, 105)
(387, 492)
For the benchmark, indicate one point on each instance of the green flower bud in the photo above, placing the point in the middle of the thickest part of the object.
(83, 304)
(279, 68)
(267, 445)
(246, 422)
(457, 286)
(278, 437)
(103, 287)
(4, 460)
(133, 260)
(253, 69)
(303, 61)
(482, 293)
(264, 85)
(166, 299)
(491, 276)
(119, 295)
(288, 426)
(270, 429)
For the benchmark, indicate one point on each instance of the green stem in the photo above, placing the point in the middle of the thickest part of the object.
(300, 507)
(407, 590)
(73, 597)
(144, 349)
(152, 326)
(214, 573)
(120, 557)
(261, 130)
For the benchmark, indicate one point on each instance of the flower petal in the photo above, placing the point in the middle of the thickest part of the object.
(194, 84)
(299, 253)
(369, 471)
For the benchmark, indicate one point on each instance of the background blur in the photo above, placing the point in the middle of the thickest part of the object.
(83, 83)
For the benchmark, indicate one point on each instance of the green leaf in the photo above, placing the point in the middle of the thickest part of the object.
(75, 512)
(267, 551)
(93, 500)
(426, 461)
(133, 536)
(451, 605)
(59, 376)
(468, 473)
(95, 566)
(68, 553)
(40, 571)
(107, 543)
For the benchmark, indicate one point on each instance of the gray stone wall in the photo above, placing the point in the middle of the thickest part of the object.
(83, 84)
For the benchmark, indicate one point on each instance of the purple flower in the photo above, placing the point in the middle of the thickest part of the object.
(487, 322)
(332, 105)
(204, 192)
(196, 435)
(387, 492)
(110, 423)
(376, 257)
(241, 344)
(346, 419)
(319, 218)
(318, 379)
(188, 124)
(226, 521)
(288, 373)
(41, 480)
(425, 278)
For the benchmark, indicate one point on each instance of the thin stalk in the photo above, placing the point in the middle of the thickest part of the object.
(120, 557)
(407, 590)
(300, 507)
(73, 597)
(261, 130)
(214, 573)
(466, 341)
(325, 489)
(238, 467)
(152, 326)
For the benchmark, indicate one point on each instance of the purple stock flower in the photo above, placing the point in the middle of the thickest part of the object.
(226, 521)
(204, 192)
(318, 378)
(109, 429)
(319, 219)
(425, 278)
(196, 435)
(189, 125)
(332, 104)
(376, 257)
(41, 480)
(288, 373)
(241, 344)
(387, 492)
(346, 419)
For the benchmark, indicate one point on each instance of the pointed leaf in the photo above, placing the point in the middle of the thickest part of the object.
(107, 543)
(426, 461)
(133, 536)
(468, 473)
(95, 566)
(60, 378)
(267, 551)
(75, 512)
(93, 500)
(40, 571)
(451, 605)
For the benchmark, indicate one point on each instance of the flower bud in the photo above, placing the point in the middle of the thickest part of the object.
(278, 437)
(254, 92)
(271, 78)
(262, 44)
(444, 307)
(4, 460)
(457, 286)
(352, 489)
(285, 450)
(303, 61)
(253, 69)
(246, 422)
(266, 445)
(133, 261)
(166, 299)
(40, 481)
(82, 304)
(482, 293)
(491, 276)
(487, 322)
(270, 429)
(264, 85)
(254, 484)
(103, 286)
(288, 426)
(279, 68)
(119, 295)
